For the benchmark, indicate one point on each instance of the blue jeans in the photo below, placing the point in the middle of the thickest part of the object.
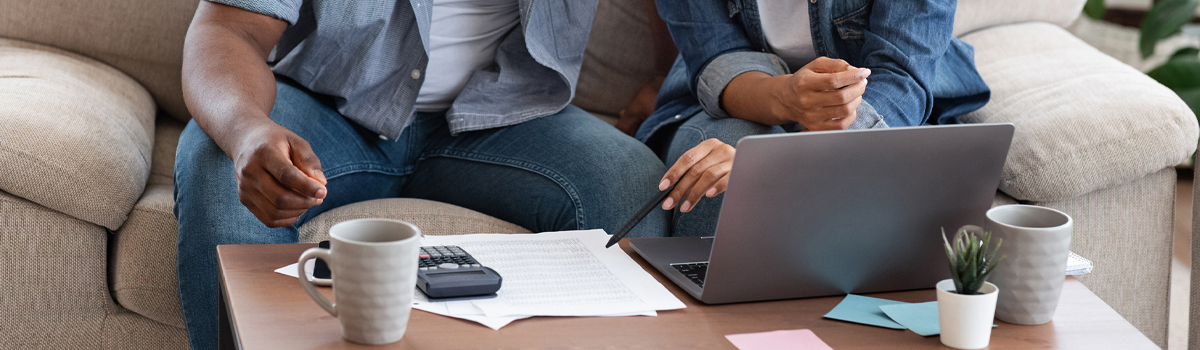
(702, 219)
(566, 171)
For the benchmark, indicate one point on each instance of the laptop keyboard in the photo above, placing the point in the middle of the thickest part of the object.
(694, 271)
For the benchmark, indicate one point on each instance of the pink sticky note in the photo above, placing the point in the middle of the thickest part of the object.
(795, 339)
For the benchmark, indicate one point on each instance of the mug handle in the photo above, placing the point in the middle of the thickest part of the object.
(316, 253)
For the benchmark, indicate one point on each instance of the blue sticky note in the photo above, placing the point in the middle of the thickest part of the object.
(865, 310)
(921, 318)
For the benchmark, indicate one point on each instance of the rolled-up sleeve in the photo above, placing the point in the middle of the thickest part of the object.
(287, 10)
(714, 48)
(721, 70)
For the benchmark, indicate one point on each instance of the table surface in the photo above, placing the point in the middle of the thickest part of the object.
(268, 310)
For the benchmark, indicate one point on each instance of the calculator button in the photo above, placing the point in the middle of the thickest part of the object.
(422, 268)
(476, 265)
(448, 266)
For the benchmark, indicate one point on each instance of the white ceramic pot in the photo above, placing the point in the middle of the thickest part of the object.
(966, 320)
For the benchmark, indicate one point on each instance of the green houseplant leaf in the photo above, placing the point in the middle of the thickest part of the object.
(1191, 97)
(1163, 20)
(1180, 72)
(972, 258)
(1094, 9)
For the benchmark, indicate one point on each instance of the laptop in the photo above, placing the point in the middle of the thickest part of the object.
(830, 213)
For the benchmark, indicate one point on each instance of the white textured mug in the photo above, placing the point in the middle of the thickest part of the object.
(1036, 243)
(374, 270)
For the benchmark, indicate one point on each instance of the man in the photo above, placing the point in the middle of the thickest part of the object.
(459, 101)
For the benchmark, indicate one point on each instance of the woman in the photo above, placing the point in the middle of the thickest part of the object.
(750, 67)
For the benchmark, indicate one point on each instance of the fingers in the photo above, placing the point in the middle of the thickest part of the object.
(835, 97)
(305, 159)
(814, 81)
(705, 185)
(279, 197)
(289, 174)
(696, 172)
(827, 65)
(837, 117)
(720, 186)
(257, 203)
(685, 162)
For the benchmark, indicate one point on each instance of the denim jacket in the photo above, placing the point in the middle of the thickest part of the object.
(920, 73)
(370, 56)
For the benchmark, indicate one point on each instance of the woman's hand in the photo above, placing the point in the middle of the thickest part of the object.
(702, 170)
(823, 95)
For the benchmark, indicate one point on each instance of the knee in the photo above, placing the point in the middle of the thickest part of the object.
(198, 159)
(729, 130)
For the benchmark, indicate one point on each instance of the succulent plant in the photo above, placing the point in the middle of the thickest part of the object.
(972, 258)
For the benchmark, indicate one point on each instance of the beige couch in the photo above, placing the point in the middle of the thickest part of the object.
(91, 110)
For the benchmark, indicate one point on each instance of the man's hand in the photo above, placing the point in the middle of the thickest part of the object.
(701, 171)
(279, 177)
(822, 95)
(230, 91)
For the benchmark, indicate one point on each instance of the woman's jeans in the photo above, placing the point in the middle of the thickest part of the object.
(702, 219)
(566, 171)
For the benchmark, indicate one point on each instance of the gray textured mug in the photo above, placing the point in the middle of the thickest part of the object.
(374, 270)
(1036, 243)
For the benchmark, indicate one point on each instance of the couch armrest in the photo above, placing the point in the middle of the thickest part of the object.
(77, 133)
(972, 15)
(1084, 121)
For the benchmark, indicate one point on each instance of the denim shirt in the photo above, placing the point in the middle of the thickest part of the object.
(370, 56)
(920, 73)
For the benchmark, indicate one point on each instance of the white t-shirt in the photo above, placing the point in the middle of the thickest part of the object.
(785, 25)
(463, 37)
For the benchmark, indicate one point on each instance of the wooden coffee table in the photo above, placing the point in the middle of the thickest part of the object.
(261, 309)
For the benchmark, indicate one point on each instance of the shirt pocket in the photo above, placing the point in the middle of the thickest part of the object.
(572, 21)
(851, 26)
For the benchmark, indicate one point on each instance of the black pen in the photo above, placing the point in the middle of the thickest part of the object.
(641, 214)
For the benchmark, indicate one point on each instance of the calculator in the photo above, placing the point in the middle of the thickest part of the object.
(442, 272)
(450, 272)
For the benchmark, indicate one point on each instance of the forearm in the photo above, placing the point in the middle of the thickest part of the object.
(749, 97)
(227, 84)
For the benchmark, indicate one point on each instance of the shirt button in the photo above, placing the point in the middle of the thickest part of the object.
(416, 74)
(677, 116)
(381, 137)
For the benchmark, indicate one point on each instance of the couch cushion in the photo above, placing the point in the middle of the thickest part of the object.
(142, 261)
(166, 139)
(1084, 121)
(433, 218)
(143, 258)
(619, 57)
(76, 135)
(973, 15)
(143, 38)
(53, 295)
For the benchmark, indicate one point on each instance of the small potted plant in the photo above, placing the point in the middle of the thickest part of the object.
(966, 301)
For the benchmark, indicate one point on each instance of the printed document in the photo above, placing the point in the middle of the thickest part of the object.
(567, 273)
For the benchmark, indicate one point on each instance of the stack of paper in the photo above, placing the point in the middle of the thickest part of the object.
(1077, 265)
(566, 273)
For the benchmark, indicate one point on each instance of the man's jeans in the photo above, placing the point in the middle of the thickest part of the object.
(565, 171)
